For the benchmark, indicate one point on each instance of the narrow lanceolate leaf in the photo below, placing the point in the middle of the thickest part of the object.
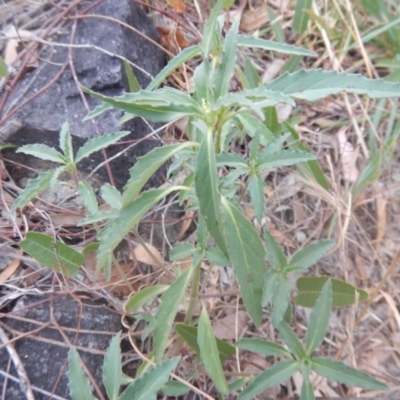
(263, 347)
(291, 340)
(284, 158)
(97, 143)
(209, 31)
(271, 280)
(111, 195)
(127, 218)
(78, 382)
(112, 368)
(66, 143)
(276, 257)
(256, 190)
(209, 198)
(36, 186)
(133, 83)
(209, 352)
(310, 168)
(318, 323)
(301, 15)
(190, 334)
(342, 373)
(318, 84)
(146, 166)
(89, 198)
(309, 255)
(227, 67)
(273, 376)
(247, 255)
(307, 390)
(165, 316)
(147, 386)
(281, 299)
(185, 55)
(52, 253)
(163, 105)
(343, 294)
(251, 41)
(142, 297)
(42, 151)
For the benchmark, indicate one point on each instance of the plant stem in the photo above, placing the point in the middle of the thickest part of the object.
(193, 294)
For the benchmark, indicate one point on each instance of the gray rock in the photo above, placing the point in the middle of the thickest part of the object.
(42, 118)
(44, 354)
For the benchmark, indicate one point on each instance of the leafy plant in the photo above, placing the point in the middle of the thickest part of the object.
(66, 157)
(217, 118)
(300, 356)
(143, 387)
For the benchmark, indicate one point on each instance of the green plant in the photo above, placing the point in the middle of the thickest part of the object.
(145, 386)
(218, 117)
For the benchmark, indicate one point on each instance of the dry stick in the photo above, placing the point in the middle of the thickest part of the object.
(178, 378)
(29, 56)
(23, 377)
(96, 127)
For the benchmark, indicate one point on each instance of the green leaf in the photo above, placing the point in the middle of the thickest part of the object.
(190, 334)
(291, 340)
(318, 323)
(215, 256)
(52, 253)
(247, 255)
(205, 180)
(283, 48)
(263, 347)
(66, 144)
(139, 299)
(174, 389)
(209, 352)
(276, 256)
(181, 250)
(281, 299)
(78, 382)
(163, 105)
(343, 294)
(99, 216)
(42, 151)
(111, 195)
(226, 69)
(256, 190)
(89, 198)
(230, 160)
(209, 31)
(301, 16)
(279, 372)
(98, 143)
(126, 219)
(284, 158)
(307, 390)
(147, 386)
(310, 168)
(342, 373)
(36, 186)
(253, 126)
(146, 166)
(3, 68)
(165, 317)
(271, 280)
(203, 86)
(185, 55)
(317, 84)
(309, 255)
(133, 83)
(112, 368)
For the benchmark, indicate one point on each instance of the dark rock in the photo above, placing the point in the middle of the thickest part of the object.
(44, 354)
(42, 118)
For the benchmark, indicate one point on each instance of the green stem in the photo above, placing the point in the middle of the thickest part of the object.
(194, 294)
